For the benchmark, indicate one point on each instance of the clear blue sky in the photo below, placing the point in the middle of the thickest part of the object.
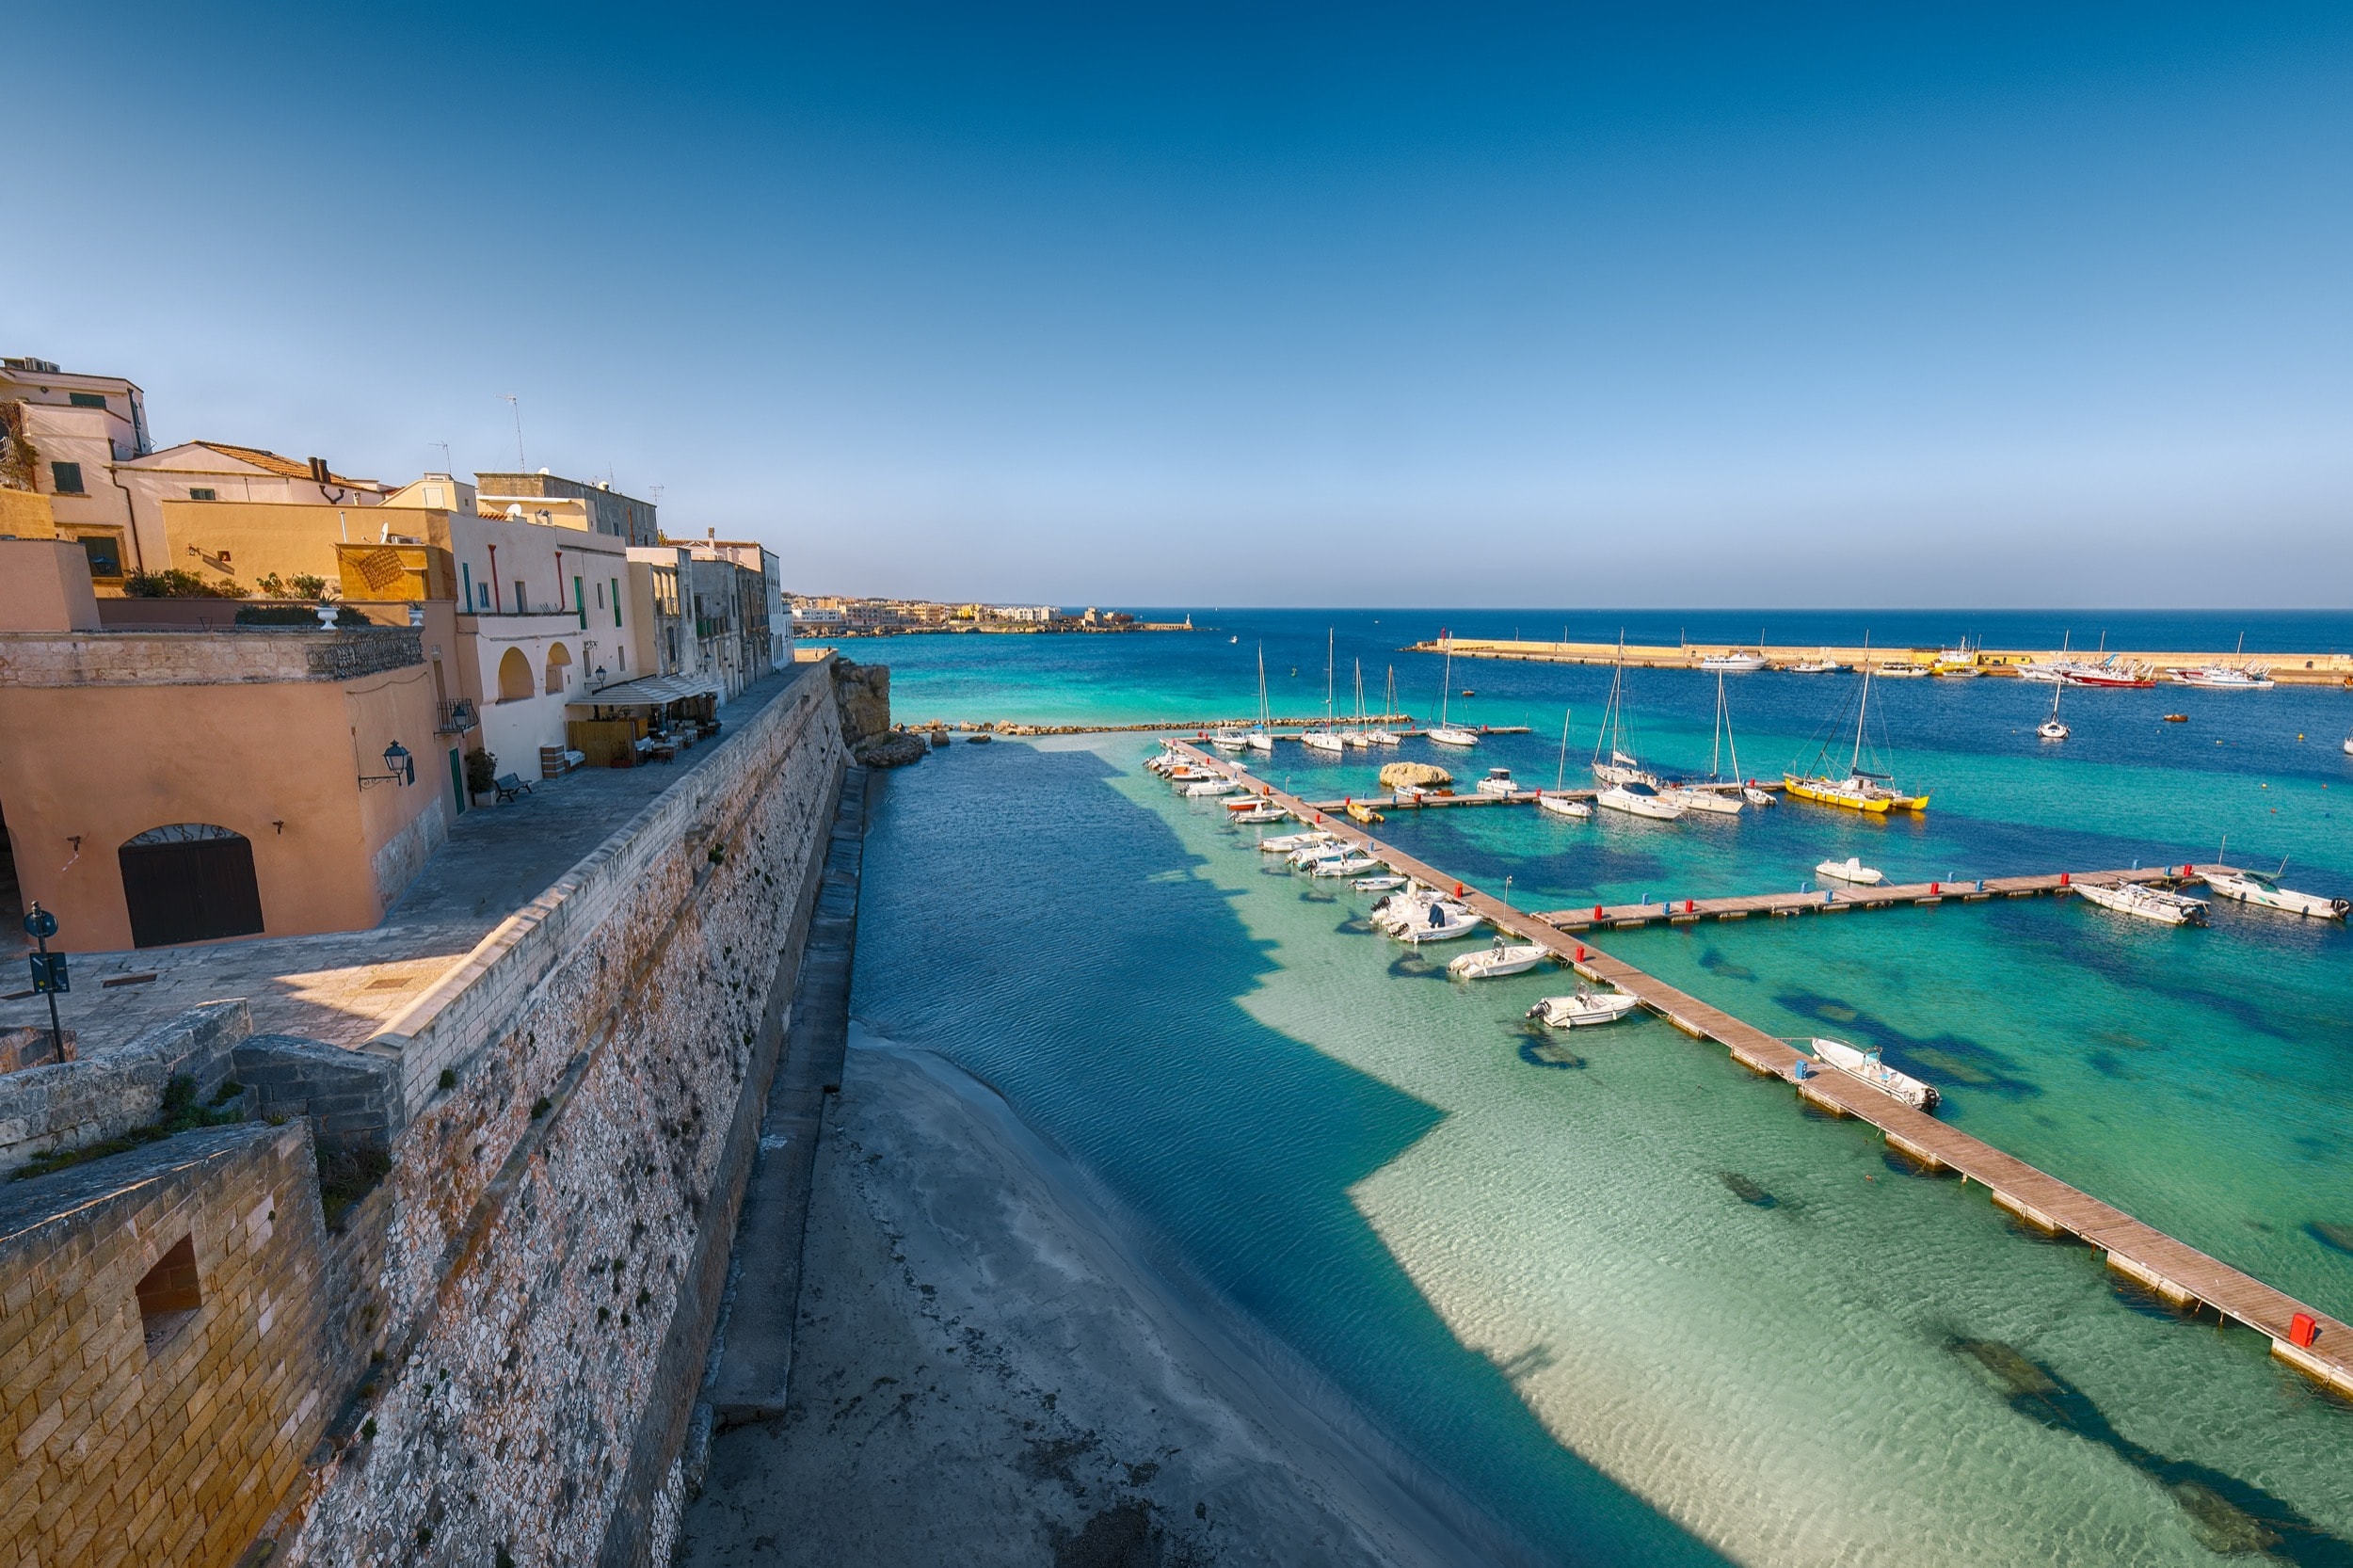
(1634, 304)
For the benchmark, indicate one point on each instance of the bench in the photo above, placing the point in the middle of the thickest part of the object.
(510, 787)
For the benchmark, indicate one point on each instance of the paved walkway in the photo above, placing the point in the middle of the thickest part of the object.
(342, 987)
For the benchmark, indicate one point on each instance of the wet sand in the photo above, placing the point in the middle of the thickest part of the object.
(994, 1366)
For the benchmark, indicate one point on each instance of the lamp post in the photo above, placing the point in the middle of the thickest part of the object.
(399, 768)
(49, 976)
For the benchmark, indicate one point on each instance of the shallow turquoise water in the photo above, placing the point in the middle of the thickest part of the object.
(1627, 1297)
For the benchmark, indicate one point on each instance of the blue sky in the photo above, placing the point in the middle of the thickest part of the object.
(1475, 305)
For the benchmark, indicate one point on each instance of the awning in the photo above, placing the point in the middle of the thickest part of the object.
(651, 692)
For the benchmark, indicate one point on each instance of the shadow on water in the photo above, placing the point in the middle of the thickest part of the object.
(2228, 1517)
(1947, 1060)
(1746, 1191)
(1241, 1143)
(1541, 1046)
(2133, 959)
(1714, 962)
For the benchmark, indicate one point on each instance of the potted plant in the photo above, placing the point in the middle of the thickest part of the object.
(482, 775)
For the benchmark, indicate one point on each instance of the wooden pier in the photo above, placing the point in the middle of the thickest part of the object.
(1841, 896)
(2174, 1271)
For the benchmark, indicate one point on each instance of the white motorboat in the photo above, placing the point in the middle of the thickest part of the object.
(2265, 892)
(1202, 787)
(1866, 1065)
(1585, 1009)
(1290, 841)
(2348, 746)
(1329, 849)
(1565, 805)
(2161, 905)
(1230, 740)
(1324, 741)
(1823, 664)
(1347, 865)
(1381, 884)
(2051, 729)
(1902, 669)
(1757, 796)
(1504, 958)
(1637, 799)
(1498, 782)
(1851, 870)
(1447, 734)
(1260, 810)
(2224, 678)
(1441, 922)
(1735, 662)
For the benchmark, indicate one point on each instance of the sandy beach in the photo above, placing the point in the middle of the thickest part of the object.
(992, 1367)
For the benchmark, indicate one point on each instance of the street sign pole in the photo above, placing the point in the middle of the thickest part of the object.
(48, 973)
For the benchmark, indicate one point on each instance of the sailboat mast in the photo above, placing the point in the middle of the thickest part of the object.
(1331, 642)
(1716, 756)
(1446, 679)
(1862, 706)
(1560, 775)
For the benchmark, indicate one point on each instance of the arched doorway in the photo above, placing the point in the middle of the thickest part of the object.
(190, 882)
(559, 667)
(514, 677)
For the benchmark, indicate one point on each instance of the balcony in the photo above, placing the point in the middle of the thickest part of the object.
(456, 717)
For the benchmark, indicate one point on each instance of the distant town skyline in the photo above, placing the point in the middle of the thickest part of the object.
(1988, 306)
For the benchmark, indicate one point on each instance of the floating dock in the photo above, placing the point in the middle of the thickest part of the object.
(2177, 1273)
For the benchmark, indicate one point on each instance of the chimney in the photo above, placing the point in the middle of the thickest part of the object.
(318, 470)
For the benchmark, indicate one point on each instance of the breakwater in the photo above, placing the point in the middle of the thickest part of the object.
(2312, 670)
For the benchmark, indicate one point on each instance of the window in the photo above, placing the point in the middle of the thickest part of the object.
(433, 496)
(483, 593)
(85, 400)
(599, 596)
(616, 602)
(465, 581)
(68, 477)
(169, 1295)
(203, 492)
(522, 601)
(580, 602)
(106, 555)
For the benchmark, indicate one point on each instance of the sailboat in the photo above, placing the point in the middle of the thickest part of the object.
(1355, 734)
(1324, 740)
(1447, 734)
(2050, 728)
(1259, 740)
(1862, 790)
(1556, 801)
(1623, 766)
(1380, 735)
(1719, 801)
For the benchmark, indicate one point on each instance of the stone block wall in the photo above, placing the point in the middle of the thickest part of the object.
(21, 1049)
(170, 1435)
(74, 1104)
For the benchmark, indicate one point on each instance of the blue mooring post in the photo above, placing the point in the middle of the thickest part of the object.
(49, 973)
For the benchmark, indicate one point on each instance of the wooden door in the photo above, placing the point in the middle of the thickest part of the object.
(191, 889)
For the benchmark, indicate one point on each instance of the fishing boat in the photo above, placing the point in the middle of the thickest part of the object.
(1820, 664)
(1637, 799)
(1498, 782)
(2265, 892)
(2107, 672)
(1447, 734)
(2161, 905)
(2224, 678)
(1851, 870)
(1866, 1066)
(1557, 800)
(2051, 729)
(1258, 739)
(1585, 1009)
(1903, 669)
(1380, 884)
(1862, 789)
(2184, 718)
(1504, 958)
(1735, 662)
(1960, 661)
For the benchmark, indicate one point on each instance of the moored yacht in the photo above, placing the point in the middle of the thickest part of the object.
(1505, 957)
(1866, 1066)
(2265, 892)
(1498, 782)
(1637, 799)
(1851, 870)
(1862, 789)
(2161, 905)
(1585, 1009)
(1447, 734)
(1735, 662)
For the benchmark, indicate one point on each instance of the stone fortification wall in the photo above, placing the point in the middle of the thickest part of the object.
(70, 1105)
(582, 1097)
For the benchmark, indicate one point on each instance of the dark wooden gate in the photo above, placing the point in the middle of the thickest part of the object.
(190, 890)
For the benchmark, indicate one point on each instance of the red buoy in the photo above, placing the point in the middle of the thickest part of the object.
(1936, 887)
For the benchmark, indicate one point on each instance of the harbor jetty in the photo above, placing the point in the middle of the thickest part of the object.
(2306, 1338)
(2302, 669)
(1402, 725)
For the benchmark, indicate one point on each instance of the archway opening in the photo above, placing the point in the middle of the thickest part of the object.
(559, 668)
(515, 684)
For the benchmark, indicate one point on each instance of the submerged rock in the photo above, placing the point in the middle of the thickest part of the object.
(1746, 1191)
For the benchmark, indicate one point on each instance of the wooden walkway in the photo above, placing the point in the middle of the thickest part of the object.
(2175, 1270)
(1839, 897)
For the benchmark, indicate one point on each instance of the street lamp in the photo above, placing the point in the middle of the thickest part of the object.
(399, 768)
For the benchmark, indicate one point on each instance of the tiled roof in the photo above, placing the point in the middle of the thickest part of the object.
(270, 462)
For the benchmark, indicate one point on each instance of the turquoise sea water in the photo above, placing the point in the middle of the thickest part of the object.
(1624, 1295)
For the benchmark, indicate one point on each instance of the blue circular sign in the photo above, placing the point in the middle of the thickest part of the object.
(41, 923)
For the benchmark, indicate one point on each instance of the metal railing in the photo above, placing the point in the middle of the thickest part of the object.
(456, 717)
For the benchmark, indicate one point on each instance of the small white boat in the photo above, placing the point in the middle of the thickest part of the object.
(1306, 855)
(2265, 892)
(1443, 922)
(1450, 735)
(1505, 957)
(1733, 664)
(2224, 678)
(1822, 665)
(1585, 1009)
(2160, 904)
(1259, 740)
(1902, 669)
(1207, 787)
(1564, 806)
(1757, 796)
(1866, 1065)
(1230, 740)
(2051, 729)
(1347, 865)
(1443, 733)
(1716, 803)
(1260, 810)
(1498, 782)
(1323, 741)
(1290, 841)
(1851, 870)
(1381, 884)
(1378, 737)
(1637, 799)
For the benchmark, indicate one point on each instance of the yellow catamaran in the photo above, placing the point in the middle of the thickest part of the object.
(1862, 790)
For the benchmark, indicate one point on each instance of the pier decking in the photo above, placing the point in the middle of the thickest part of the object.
(1825, 900)
(2174, 1270)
